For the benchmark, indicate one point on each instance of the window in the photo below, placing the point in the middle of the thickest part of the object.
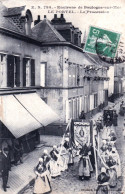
(13, 71)
(106, 95)
(32, 72)
(74, 75)
(80, 104)
(122, 73)
(91, 102)
(81, 75)
(77, 76)
(70, 79)
(99, 97)
(86, 104)
(28, 72)
(77, 107)
(69, 109)
(43, 74)
(74, 108)
(95, 100)
(3, 70)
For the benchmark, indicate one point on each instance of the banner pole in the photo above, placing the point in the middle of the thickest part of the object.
(63, 141)
(96, 167)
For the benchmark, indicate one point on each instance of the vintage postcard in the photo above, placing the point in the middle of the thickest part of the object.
(62, 96)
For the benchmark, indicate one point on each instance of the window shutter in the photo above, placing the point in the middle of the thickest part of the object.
(17, 75)
(32, 72)
(24, 71)
(10, 71)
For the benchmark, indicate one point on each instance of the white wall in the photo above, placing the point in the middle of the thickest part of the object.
(110, 74)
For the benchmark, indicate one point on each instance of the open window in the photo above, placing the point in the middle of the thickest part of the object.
(43, 74)
(13, 71)
(28, 72)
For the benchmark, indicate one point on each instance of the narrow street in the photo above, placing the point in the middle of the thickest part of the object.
(68, 182)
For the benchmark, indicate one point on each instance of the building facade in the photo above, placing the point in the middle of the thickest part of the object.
(70, 80)
(19, 80)
(49, 59)
(119, 79)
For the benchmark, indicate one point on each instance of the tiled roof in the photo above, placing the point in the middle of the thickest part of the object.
(15, 11)
(7, 23)
(95, 59)
(45, 32)
(62, 26)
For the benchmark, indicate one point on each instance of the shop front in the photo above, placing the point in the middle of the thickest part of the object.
(22, 115)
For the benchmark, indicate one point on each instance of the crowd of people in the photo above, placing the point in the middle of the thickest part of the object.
(101, 156)
(108, 159)
(106, 163)
(61, 158)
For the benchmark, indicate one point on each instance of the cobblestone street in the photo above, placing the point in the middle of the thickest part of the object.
(68, 182)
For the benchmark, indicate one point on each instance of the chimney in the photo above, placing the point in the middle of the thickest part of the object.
(55, 16)
(37, 21)
(62, 19)
(61, 16)
(38, 18)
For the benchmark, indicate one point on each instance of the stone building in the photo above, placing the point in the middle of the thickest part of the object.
(119, 79)
(49, 59)
(66, 73)
(21, 109)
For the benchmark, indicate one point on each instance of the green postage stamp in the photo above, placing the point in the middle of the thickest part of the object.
(102, 42)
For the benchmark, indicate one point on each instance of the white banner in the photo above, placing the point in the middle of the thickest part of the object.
(82, 132)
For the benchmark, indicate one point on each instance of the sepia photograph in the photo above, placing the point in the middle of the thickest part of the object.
(62, 97)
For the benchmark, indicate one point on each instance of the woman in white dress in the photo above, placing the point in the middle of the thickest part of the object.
(116, 157)
(54, 166)
(42, 183)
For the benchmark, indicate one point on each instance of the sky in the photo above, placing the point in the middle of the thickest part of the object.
(79, 12)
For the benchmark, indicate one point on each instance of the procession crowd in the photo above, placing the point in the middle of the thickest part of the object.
(108, 160)
(101, 157)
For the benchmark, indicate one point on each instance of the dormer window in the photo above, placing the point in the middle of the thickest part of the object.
(28, 21)
(21, 17)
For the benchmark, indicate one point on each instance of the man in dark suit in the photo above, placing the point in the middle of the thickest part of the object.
(5, 167)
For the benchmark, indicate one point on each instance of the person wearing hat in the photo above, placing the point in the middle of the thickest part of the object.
(82, 115)
(112, 171)
(66, 145)
(104, 146)
(46, 162)
(116, 157)
(65, 152)
(85, 167)
(46, 158)
(103, 182)
(54, 166)
(5, 168)
(113, 136)
(105, 133)
(42, 182)
(18, 152)
(115, 118)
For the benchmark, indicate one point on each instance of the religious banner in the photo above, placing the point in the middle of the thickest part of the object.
(82, 132)
(108, 117)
